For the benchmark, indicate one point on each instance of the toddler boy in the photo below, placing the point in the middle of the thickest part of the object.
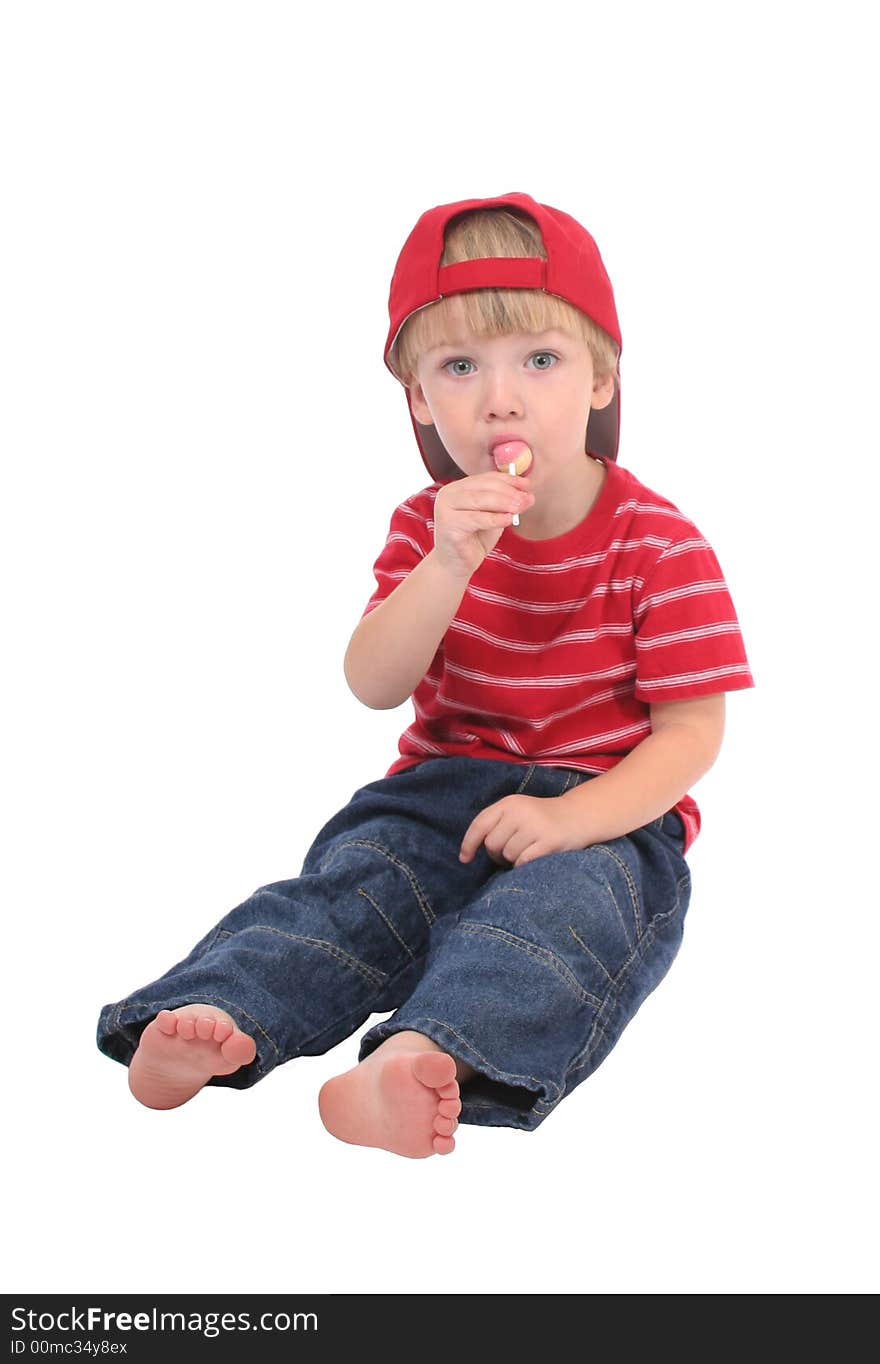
(516, 884)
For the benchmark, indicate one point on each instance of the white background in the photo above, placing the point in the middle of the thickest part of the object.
(203, 205)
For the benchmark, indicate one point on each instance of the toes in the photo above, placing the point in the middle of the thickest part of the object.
(449, 1108)
(449, 1091)
(239, 1048)
(443, 1145)
(444, 1127)
(234, 1046)
(434, 1068)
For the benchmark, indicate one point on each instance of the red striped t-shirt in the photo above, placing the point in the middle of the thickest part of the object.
(559, 646)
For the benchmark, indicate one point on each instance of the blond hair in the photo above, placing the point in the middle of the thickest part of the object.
(474, 235)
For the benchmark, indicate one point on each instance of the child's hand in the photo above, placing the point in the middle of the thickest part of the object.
(518, 829)
(470, 516)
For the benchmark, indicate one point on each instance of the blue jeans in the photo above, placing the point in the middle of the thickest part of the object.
(529, 975)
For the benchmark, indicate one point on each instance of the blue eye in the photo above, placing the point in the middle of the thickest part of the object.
(539, 355)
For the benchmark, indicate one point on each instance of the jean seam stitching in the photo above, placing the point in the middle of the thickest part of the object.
(526, 779)
(372, 974)
(387, 922)
(485, 1103)
(513, 1080)
(330, 1027)
(612, 995)
(602, 967)
(114, 1022)
(422, 899)
(542, 954)
(633, 893)
(606, 1012)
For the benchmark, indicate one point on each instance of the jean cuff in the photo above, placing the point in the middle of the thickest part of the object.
(492, 1097)
(120, 1027)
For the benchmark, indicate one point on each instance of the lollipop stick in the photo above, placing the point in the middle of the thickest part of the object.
(511, 469)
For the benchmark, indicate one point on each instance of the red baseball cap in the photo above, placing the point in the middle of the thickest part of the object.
(572, 271)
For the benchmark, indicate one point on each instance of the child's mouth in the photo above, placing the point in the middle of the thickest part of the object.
(512, 456)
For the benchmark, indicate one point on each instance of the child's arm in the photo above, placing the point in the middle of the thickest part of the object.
(392, 647)
(644, 785)
(684, 743)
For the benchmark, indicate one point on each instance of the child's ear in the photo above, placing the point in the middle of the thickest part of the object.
(421, 411)
(603, 392)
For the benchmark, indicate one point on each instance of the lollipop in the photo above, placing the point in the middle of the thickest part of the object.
(514, 456)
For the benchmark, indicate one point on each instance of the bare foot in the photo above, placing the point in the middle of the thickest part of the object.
(405, 1101)
(181, 1049)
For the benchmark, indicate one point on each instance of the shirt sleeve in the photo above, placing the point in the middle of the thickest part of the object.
(688, 638)
(410, 538)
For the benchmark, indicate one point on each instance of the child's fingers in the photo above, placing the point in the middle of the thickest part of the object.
(478, 829)
(483, 521)
(470, 519)
(490, 499)
(494, 478)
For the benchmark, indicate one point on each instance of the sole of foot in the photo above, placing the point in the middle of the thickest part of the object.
(407, 1102)
(181, 1049)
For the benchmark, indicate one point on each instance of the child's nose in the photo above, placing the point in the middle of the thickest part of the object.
(502, 394)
